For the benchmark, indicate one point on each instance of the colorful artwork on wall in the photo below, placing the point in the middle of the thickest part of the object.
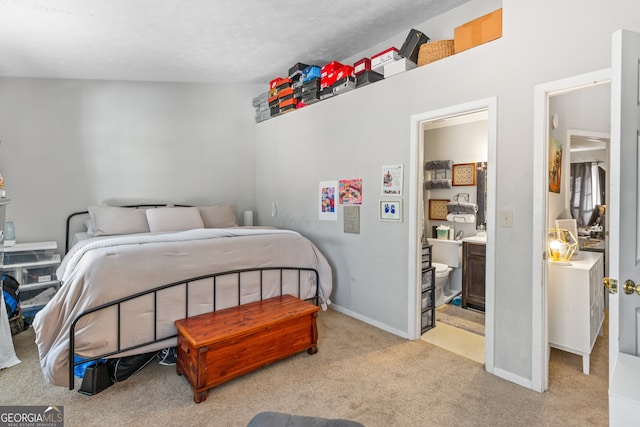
(350, 191)
(555, 165)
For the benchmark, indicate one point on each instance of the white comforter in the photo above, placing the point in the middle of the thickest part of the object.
(98, 271)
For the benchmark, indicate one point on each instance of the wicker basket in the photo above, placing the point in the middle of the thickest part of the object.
(432, 51)
(16, 323)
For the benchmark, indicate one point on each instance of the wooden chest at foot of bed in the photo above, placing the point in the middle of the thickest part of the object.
(219, 346)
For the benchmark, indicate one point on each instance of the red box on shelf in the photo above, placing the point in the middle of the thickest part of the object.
(362, 65)
(330, 68)
(279, 82)
(335, 75)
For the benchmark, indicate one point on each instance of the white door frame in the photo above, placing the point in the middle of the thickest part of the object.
(540, 338)
(416, 177)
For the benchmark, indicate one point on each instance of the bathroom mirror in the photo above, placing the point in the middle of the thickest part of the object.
(481, 195)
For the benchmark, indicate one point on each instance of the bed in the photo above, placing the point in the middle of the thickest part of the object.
(135, 270)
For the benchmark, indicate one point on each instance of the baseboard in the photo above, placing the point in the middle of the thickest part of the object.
(516, 379)
(370, 321)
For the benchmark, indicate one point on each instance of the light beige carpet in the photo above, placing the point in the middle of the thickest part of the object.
(360, 373)
(458, 317)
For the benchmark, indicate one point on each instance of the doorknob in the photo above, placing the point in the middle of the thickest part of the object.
(630, 287)
(611, 284)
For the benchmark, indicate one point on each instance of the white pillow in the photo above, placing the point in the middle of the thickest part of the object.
(89, 225)
(174, 219)
(109, 220)
(218, 216)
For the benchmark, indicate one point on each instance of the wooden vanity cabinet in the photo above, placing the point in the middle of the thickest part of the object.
(473, 275)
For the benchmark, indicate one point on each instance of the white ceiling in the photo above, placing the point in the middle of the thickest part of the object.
(249, 41)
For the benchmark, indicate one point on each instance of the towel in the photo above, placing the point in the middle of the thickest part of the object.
(437, 183)
(462, 208)
(466, 218)
(438, 164)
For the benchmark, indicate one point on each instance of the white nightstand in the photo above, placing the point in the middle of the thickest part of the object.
(34, 267)
(576, 304)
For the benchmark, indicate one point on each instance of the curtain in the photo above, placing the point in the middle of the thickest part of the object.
(587, 191)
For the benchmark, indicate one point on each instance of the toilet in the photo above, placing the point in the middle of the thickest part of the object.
(442, 281)
(447, 260)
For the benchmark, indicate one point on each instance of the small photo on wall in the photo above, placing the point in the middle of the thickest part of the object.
(390, 210)
(392, 180)
(328, 193)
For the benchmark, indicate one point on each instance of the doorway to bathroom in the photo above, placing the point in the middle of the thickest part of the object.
(453, 196)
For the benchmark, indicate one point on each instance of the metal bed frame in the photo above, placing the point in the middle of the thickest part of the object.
(185, 283)
(214, 281)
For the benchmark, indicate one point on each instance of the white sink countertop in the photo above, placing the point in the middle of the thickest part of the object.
(476, 239)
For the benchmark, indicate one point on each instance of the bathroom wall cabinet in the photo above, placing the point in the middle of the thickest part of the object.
(473, 275)
(427, 292)
(575, 304)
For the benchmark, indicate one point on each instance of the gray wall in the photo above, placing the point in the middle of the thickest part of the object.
(354, 134)
(67, 144)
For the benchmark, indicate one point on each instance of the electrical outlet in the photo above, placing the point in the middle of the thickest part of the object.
(274, 209)
(505, 219)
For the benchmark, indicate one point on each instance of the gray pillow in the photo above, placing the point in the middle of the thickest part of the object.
(110, 220)
(218, 216)
(174, 219)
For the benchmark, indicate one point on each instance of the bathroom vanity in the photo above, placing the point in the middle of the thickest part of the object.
(576, 304)
(473, 272)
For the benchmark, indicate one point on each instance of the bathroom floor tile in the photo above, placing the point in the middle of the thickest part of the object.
(457, 341)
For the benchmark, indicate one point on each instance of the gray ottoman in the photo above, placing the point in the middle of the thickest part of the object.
(278, 419)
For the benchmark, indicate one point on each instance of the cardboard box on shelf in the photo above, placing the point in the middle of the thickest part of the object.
(296, 68)
(411, 46)
(281, 83)
(287, 102)
(368, 77)
(396, 67)
(344, 85)
(388, 55)
(336, 74)
(326, 93)
(330, 67)
(285, 92)
(310, 98)
(310, 73)
(361, 66)
(478, 31)
(311, 85)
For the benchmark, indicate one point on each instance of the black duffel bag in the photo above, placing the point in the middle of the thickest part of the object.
(123, 367)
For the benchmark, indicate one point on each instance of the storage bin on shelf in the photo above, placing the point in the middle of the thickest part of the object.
(433, 51)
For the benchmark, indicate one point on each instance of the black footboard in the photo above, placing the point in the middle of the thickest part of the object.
(185, 283)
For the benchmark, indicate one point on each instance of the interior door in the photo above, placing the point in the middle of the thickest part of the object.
(624, 212)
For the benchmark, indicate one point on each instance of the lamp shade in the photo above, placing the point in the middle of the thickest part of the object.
(561, 244)
(247, 218)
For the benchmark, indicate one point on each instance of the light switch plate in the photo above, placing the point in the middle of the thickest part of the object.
(505, 219)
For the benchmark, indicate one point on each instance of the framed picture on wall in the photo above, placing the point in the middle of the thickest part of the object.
(392, 180)
(464, 174)
(390, 210)
(438, 209)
